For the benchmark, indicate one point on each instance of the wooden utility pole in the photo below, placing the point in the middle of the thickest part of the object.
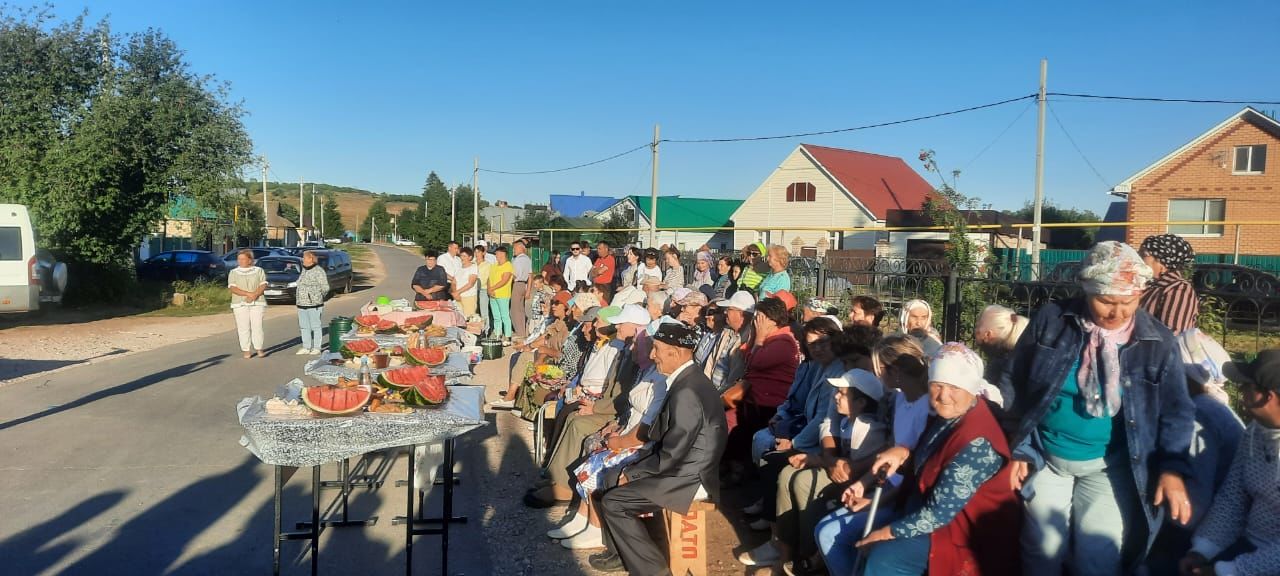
(653, 191)
(1039, 199)
(475, 201)
(266, 228)
(302, 209)
(313, 211)
(453, 212)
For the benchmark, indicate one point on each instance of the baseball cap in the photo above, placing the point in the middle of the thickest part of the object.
(818, 305)
(631, 314)
(786, 297)
(693, 298)
(741, 300)
(563, 297)
(1263, 372)
(864, 381)
(484, 243)
(590, 314)
(608, 314)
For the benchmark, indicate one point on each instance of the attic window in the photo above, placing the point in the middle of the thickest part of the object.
(801, 192)
(1250, 159)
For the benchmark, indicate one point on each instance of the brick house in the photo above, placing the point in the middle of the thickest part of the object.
(1229, 173)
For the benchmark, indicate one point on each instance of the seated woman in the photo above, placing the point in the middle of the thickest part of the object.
(903, 368)
(617, 444)
(960, 513)
(544, 345)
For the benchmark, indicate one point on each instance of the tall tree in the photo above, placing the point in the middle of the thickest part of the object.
(332, 219)
(618, 236)
(377, 215)
(101, 130)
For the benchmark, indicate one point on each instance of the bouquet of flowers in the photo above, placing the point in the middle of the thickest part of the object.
(547, 377)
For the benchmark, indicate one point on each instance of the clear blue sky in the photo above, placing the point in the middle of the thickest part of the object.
(376, 94)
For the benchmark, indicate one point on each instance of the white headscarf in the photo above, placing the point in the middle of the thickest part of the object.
(957, 365)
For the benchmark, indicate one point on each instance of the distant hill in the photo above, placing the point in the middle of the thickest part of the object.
(353, 203)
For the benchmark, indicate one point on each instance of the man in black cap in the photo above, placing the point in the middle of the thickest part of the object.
(1241, 533)
(680, 464)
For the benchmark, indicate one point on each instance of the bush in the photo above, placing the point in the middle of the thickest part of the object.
(96, 284)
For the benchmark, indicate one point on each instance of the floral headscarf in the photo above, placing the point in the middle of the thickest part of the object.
(1170, 249)
(1113, 269)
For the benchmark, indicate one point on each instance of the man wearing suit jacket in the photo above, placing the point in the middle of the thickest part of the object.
(678, 466)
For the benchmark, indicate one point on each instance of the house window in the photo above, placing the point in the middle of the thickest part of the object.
(801, 192)
(834, 240)
(1197, 210)
(1250, 159)
(762, 236)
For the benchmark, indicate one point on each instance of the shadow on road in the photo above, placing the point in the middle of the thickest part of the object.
(31, 551)
(125, 388)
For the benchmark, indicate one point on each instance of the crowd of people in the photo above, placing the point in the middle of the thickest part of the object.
(1091, 437)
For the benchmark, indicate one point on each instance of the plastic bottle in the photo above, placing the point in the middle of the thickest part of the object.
(366, 378)
(422, 338)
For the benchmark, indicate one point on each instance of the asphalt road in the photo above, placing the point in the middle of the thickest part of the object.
(132, 466)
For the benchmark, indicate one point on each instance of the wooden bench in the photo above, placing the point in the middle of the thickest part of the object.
(687, 539)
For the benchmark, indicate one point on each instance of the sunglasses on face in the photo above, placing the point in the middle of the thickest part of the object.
(574, 249)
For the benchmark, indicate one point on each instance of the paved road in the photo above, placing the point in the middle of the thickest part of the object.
(132, 466)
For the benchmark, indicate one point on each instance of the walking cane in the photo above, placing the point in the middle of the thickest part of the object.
(881, 476)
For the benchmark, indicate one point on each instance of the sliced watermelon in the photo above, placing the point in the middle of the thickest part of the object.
(429, 392)
(386, 327)
(416, 322)
(405, 377)
(434, 305)
(330, 399)
(368, 321)
(425, 356)
(358, 348)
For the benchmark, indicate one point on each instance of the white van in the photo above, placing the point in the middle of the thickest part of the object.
(27, 278)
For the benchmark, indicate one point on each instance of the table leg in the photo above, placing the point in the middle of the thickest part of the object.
(448, 507)
(315, 520)
(345, 483)
(275, 541)
(408, 515)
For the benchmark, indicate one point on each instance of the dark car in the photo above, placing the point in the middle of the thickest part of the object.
(258, 252)
(337, 265)
(282, 277)
(189, 265)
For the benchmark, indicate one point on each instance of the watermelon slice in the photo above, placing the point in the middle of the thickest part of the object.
(425, 356)
(386, 326)
(434, 305)
(358, 348)
(405, 377)
(416, 322)
(368, 321)
(417, 385)
(330, 399)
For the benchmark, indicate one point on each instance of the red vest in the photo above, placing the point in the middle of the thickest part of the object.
(983, 538)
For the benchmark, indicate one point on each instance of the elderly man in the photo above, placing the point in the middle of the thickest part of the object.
(520, 301)
(728, 359)
(995, 334)
(597, 405)
(677, 467)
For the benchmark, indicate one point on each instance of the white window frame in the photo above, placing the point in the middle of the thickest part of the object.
(835, 240)
(1204, 217)
(763, 236)
(1250, 171)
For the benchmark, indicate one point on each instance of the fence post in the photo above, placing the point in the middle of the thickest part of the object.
(951, 308)
(821, 288)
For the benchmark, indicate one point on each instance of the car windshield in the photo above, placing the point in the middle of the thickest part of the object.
(276, 265)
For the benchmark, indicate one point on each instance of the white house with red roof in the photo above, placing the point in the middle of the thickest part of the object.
(817, 187)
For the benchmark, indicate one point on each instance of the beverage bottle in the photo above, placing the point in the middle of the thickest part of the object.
(366, 378)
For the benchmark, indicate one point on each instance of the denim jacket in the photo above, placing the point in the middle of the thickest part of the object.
(800, 415)
(1158, 413)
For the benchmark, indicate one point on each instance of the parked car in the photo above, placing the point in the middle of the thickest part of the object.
(405, 242)
(337, 265)
(282, 277)
(28, 276)
(332, 240)
(258, 252)
(189, 265)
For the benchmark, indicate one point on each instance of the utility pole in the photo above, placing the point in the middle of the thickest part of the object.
(302, 208)
(313, 195)
(475, 201)
(373, 229)
(313, 212)
(396, 227)
(453, 212)
(653, 191)
(266, 230)
(1039, 201)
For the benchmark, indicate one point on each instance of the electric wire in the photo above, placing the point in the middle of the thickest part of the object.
(1000, 135)
(1151, 99)
(566, 169)
(1058, 120)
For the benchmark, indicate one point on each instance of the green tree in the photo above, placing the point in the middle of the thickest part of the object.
(945, 208)
(247, 225)
(1064, 238)
(100, 130)
(377, 215)
(288, 212)
(619, 237)
(533, 221)
(332, 219)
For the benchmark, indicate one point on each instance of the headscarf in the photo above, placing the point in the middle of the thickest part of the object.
(905, 315)
(1170, 250)
(1113, 269)
(957, 365)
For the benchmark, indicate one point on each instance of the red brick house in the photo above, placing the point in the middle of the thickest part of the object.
(1229, 173)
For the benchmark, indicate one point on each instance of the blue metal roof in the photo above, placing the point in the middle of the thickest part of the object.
(574, 206)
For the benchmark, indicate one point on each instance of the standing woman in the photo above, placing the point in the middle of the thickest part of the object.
(628, 278)
(723, 287)
(313, 286)
(466, 283)
(1101, 423)
(247, 282)
(1171, 298)
(501, 277)
(553, 266)
(778, 278)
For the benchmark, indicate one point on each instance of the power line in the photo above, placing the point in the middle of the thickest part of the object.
(999, 136)
(853, 128)
(1147, 99)
(1076, 146)
(566, 169)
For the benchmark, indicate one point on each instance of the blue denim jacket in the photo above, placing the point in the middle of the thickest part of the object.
(1158, 413)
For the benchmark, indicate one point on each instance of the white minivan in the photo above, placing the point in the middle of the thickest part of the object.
(27, 276)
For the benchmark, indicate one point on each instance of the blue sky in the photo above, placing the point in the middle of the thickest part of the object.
(376, 94)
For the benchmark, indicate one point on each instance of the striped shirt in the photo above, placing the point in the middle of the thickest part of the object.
(1172, 300)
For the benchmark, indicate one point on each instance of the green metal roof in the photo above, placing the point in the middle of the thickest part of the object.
(679, 212)
(182, 207)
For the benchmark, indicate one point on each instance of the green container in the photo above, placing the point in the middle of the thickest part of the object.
(491, 348)
(337, 327)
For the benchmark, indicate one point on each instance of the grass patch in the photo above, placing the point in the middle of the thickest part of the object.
(203, 298)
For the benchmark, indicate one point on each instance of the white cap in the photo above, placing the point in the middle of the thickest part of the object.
(482, 243)
(864, 381)
(741, 300)
(632, 314)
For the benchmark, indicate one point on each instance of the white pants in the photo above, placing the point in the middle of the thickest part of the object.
(249, 326)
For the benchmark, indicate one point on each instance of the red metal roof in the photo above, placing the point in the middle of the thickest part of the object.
(881, 183)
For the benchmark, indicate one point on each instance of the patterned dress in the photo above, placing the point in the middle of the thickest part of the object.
(959, 481)
(645, 399)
